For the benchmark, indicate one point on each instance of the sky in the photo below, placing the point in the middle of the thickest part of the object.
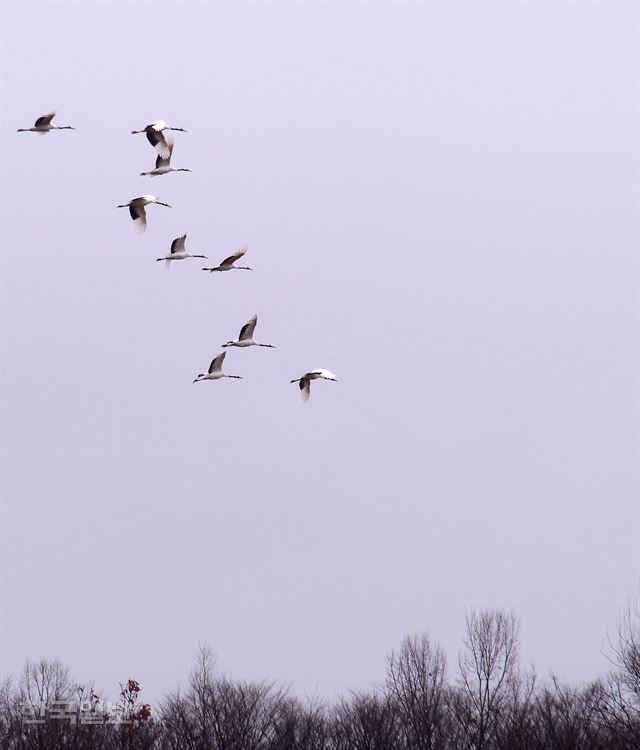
(440, 202)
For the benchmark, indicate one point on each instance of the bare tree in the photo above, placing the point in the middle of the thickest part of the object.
(570, 718)
(517, 725)
(45, 682)
(299, 727)
(415, 685)
(488, 667)
(45, 688)
(492, 706)
(218, 714)
(626, 652)
(243, 714)
(618, 716)
(10, 715)
(365, 722)
(188, 717)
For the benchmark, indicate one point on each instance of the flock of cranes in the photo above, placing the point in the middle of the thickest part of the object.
(155, 134)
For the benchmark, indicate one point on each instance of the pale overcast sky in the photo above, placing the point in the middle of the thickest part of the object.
(441, 206)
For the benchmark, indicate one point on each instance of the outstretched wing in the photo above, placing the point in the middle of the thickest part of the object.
(157, 140)
(246, 332)
(305, 388)
(322, 373)
(44, 120)
(177, 246)
(164, 157)
(154, 137)
(216, 363)
(139, 216)
(236, 256)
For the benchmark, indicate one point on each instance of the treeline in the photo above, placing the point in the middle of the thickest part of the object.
(484, 701)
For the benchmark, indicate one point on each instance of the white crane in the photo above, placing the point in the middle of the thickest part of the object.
(227, 263)
(246, 335)
(136, 209)
(215, 370)
(305, 381)
(163, 165)
(44, 125)
(178, 252)
(155, 136)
